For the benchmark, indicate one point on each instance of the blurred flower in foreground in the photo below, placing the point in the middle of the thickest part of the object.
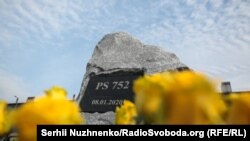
(126, 114)
(239, 111)
(52, 108)
(178, 98)
(5, 123)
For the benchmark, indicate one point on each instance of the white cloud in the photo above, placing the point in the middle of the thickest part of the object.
(11, 86)
(47, 20)
(208, 35)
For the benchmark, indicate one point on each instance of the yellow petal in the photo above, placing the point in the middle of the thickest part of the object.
(54, 108)
(56, 92)
(126, 114)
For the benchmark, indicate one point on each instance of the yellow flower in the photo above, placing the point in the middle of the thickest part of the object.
(5, 119)
(195, 109)
(56, 92)
(178, 98)
(126, 114)
(148, 99)
(53, 108)
(239, 111)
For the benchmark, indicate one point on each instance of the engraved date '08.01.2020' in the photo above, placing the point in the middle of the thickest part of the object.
(114, 102)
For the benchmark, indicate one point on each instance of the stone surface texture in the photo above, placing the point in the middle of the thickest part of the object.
(122, 52)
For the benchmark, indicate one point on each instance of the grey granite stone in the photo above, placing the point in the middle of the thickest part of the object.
(120, 51)
(99, 118)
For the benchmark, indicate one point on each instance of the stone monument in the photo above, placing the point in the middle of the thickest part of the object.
(119, 59)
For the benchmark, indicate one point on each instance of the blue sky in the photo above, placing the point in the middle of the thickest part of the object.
(48, 42)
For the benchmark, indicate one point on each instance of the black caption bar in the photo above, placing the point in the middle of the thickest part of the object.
(77, 132)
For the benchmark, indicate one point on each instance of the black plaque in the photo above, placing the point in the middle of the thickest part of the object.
(106, 92)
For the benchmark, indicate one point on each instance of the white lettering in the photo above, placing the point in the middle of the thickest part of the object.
(57, 132)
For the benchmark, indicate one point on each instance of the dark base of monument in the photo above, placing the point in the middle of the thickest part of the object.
(105, 92)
